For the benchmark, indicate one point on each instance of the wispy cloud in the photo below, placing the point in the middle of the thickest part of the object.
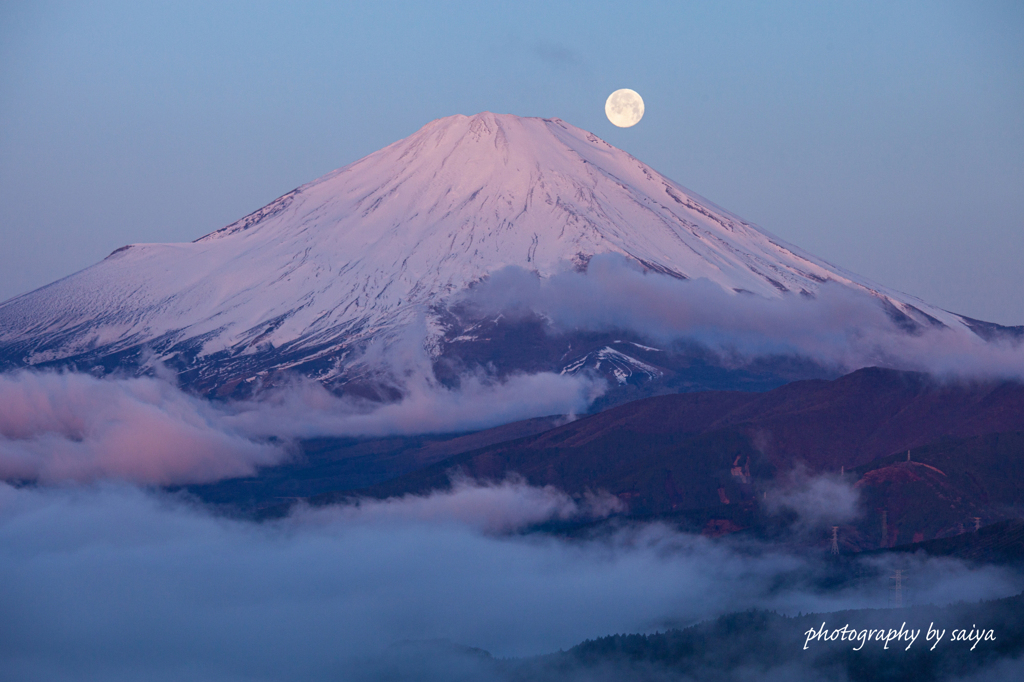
(556, 54)
(487, 507)
(306, 408)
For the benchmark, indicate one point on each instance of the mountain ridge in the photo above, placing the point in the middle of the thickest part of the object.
(370, 253)
(633, 449)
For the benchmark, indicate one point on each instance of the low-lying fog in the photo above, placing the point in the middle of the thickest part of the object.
(109, 582)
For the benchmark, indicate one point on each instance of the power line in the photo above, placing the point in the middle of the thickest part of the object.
(897, 588)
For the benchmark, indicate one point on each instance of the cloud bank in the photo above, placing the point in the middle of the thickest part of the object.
(839, 327)
(75, 427)
(113, 583)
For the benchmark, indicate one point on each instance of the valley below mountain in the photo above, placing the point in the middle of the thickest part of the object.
(938, 459)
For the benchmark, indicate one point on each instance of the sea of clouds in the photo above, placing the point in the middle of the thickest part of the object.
(112, 582)
(104, 576)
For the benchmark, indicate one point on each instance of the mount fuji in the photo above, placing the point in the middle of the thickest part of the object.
(377, 251)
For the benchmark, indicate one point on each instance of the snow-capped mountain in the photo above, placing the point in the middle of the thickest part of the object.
(374, 248)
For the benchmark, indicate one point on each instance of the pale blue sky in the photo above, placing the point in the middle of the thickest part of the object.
(885, 137)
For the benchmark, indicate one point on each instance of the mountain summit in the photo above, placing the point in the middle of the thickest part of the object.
(372, 248)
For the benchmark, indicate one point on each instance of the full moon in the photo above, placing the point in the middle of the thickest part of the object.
(624, 108)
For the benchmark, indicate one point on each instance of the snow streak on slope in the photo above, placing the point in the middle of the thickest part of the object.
(370, 250)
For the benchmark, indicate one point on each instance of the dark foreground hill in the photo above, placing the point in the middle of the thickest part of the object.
(331, 464)
(758, 642)
(825, 425)
(723, 452)
(757, 645)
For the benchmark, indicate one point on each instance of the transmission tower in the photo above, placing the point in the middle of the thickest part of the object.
(885, 529)
(835, 539)
(977, 523)
(897, 588)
